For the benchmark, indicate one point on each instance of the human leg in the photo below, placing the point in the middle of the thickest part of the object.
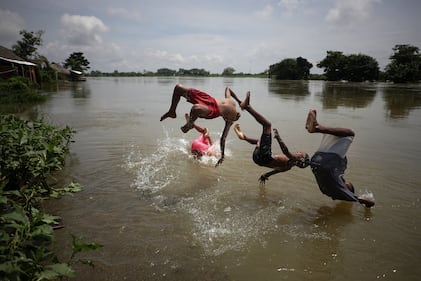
(179, 91)
(245, 105)
(313, 126)
(196, 111)
(197, 127)
(230, 93)
(242, 136)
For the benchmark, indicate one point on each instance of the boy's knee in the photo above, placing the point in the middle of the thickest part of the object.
(178, 88)
(196, 108)
(199, 110)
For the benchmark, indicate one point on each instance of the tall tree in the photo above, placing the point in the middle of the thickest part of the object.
(291, 69)
(405, 65)
(354, 67)
(284, 70)
(359, 68)
(303, 68)
(77, 61)
(228, 71)
(26, 47)
(333, 65)
(165, 72)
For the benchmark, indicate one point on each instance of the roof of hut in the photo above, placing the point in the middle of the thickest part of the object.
(8, 55)
(59, 68)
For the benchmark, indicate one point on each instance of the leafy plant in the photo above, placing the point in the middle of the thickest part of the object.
(29, 153)
(18, 90)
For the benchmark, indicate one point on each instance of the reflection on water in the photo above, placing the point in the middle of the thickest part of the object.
(351, 95)
(296, 90)
(401, 100)
(80, 90)
(162, 215)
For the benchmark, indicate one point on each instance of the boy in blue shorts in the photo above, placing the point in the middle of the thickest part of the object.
(262, 154)
(329, 162)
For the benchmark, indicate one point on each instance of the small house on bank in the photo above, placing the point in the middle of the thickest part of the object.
(61, 73)
(12, 65)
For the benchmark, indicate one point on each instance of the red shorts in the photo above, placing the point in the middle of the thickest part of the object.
(195, 96)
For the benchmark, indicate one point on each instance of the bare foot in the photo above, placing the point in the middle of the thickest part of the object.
(189, 125)
(246, 102)
(187, 116)
(206, 132)
(168, 114)
(237, 130)
(311, 122)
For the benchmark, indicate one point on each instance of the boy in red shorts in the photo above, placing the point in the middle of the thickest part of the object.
(204, 106)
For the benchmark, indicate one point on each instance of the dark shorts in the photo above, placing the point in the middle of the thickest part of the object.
(195, 96)
(329, 168)
(262, 154)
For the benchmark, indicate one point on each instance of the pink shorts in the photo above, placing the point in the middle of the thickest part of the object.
(200, 144)
(195, 96)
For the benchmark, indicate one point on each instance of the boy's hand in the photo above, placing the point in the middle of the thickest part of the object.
(276, 134)
(219, 162)
(263, 179)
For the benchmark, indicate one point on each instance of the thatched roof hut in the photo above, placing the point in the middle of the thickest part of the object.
(61, 72)
(12, 65)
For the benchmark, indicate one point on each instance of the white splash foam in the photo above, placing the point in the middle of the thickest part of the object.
(368, 196)
(153, 171)
(219, 228)
(156, 170)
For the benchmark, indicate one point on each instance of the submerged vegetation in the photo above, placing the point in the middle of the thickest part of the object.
(29, 153)
(18, 90)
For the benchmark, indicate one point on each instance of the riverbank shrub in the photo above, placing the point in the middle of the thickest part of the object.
(18, 90)
(29, 153)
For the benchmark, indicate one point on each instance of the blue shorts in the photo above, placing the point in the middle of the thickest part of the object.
(262, 154)
(329, 168)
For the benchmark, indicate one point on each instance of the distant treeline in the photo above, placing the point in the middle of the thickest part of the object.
(170, 72)
(265, 74)
(405, 66)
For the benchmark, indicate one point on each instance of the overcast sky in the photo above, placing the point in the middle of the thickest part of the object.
(248, 35)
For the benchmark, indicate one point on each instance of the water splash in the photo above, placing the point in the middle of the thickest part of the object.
(220, 228)
(368, 196)
(157, 169)
(153, 171)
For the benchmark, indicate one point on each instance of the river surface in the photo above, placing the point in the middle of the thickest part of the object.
(162, 215)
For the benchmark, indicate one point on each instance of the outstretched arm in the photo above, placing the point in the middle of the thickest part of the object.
(283, 146)
(227, 127)
(204, 132)
(263, 178)
(199, 129)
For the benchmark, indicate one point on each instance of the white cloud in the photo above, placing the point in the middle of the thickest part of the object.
(100, 58)
(347, 13)
(177, 58)
(265, 13)
(290, 5)
(157, 53)
(211, 35)
(83, 30)
(133, 15)
(10, 25)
